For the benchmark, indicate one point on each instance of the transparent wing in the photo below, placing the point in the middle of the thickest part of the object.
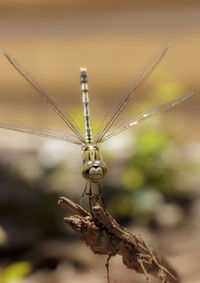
(139, 80)
(54, 134)
(146, 115)
(51, 100)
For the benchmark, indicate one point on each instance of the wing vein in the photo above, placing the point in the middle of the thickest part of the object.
(65, 117)
(147, 114)
(54, 134)
(139, 80)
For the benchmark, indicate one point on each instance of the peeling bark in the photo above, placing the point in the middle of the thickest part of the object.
(105, 236)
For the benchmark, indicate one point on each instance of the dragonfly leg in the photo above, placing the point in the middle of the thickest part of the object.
(100, 196)
(94, 196)
(83, 194)
(90, 197)
(87, 192)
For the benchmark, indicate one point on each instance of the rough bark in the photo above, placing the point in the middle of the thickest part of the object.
(105, 236)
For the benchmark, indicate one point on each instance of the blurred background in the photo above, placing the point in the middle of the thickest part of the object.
(152, 186)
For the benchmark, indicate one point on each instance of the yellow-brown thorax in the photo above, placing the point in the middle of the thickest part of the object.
(94, 168)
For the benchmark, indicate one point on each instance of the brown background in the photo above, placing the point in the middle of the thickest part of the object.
(52, 39)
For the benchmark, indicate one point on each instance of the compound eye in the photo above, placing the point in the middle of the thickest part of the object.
(85, 147)
(86, 169)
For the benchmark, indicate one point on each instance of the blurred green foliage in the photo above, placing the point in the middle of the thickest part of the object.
(14, 272)
(148, 174)
(151, 172)
(147, 166)
(165, 87)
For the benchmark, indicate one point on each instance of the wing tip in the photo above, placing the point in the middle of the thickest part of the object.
(165, 47)
(168, 44)
(83, 69)
(2, 50)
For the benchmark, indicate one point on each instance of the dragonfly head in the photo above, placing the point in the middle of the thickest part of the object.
(94, 168)
(94, 171)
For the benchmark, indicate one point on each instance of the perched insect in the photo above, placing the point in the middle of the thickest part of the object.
(94, 168)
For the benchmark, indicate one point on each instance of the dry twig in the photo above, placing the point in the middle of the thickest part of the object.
(105, 236)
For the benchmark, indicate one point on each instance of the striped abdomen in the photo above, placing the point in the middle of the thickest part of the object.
(86, 109)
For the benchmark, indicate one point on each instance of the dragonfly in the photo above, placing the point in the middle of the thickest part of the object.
(94, 169)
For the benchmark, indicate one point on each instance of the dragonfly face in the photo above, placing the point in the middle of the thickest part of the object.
(94, 168)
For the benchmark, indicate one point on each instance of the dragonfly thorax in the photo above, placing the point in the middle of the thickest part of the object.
(94, 168)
